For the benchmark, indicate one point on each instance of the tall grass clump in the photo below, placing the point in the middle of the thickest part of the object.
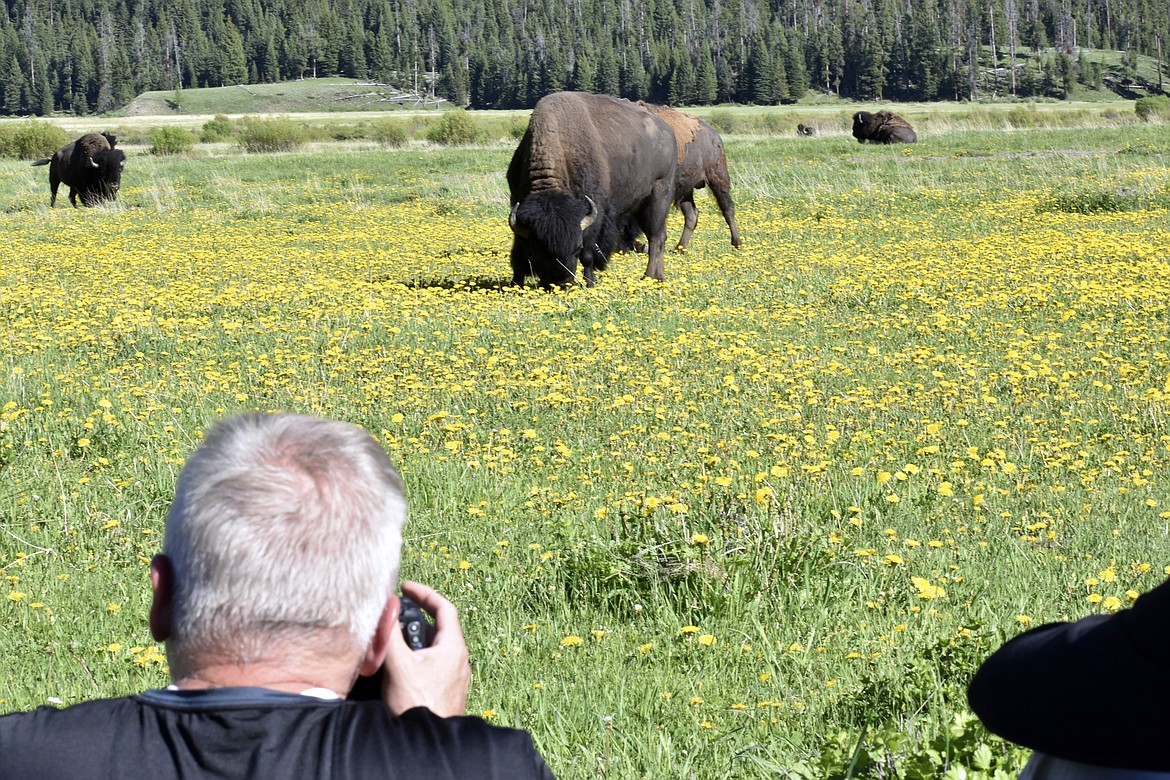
(388, 132)
(1156, 107)
(455, 128)
(31, 140)
(171, 140)
(272, 135)
(218, 128)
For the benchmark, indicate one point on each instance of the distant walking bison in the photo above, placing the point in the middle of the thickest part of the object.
(882, 128)
(90, 167)
(586, 165)
(701, 163)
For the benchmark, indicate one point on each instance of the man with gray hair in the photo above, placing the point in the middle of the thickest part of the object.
(274, 592)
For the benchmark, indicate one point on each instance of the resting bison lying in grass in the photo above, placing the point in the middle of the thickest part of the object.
(90, 166)
(882, 128)
(806, 130)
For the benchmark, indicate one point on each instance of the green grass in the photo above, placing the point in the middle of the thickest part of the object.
(316, 95)
(944, 361)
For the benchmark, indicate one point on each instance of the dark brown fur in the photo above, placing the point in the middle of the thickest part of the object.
(90, 167)
(882, 128)
(586, 164)
(702, 163)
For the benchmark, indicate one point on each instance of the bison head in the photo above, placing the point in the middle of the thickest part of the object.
(865, 125)
(105, 176)
(550, 232)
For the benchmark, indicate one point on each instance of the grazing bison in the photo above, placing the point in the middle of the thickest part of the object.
(586, 165)
(701, 162)
(90, 166)
(882, 128)
(806, 130)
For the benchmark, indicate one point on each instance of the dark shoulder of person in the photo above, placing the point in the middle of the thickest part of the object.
(256, 735)
(443, 747)
(1054, 687)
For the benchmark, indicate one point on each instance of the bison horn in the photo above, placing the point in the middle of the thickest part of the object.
(512, 223)
(591, 217)
(92, 163)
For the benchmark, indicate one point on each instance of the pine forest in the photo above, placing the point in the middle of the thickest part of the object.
(84, 56)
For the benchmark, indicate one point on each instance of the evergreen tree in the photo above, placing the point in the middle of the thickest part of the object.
(761, 81)
(233, 64)
(608, 73)
(11, 79)
(681, 90)
(706, 88)
(794, 65)
(584, 76)
(554, 74)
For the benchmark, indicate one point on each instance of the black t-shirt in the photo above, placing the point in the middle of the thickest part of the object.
(1093, 691)
(256, 733)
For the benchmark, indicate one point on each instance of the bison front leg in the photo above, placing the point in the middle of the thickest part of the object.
(686, 205)
(520, 267)
(653, 223)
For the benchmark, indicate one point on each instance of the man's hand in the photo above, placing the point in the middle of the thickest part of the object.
(435, 677)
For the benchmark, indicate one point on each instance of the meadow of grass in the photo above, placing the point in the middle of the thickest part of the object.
(761, 520)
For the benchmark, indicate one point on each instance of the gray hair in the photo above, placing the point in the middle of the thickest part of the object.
(283, 527)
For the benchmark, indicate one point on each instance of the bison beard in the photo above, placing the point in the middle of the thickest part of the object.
(550, 229)
(587, 165)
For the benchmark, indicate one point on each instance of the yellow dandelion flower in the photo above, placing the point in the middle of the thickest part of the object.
(571, 640)
(926, 589)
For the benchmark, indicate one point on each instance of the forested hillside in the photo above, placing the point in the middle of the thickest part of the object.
(95, 55)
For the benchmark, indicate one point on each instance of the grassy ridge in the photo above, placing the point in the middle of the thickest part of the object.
(718, 527)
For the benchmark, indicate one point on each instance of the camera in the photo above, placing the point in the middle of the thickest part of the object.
(417, 630)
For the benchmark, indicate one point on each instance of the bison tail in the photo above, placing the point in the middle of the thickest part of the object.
(45, 161)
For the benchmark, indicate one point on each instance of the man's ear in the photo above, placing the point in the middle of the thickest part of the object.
(376, 653)
(162, 584)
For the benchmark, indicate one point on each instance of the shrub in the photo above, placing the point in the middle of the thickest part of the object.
(171, 140)
(271, 135)
(218, 128)
(389, 133)
(775, 124)
(517, 127)
(31, 140)
(455, 128)
(1151, 108)
(722, 121)
(349, 132)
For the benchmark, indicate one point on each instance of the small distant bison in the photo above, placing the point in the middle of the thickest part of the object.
(882, 128)
(806, 130)
(90, 166)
